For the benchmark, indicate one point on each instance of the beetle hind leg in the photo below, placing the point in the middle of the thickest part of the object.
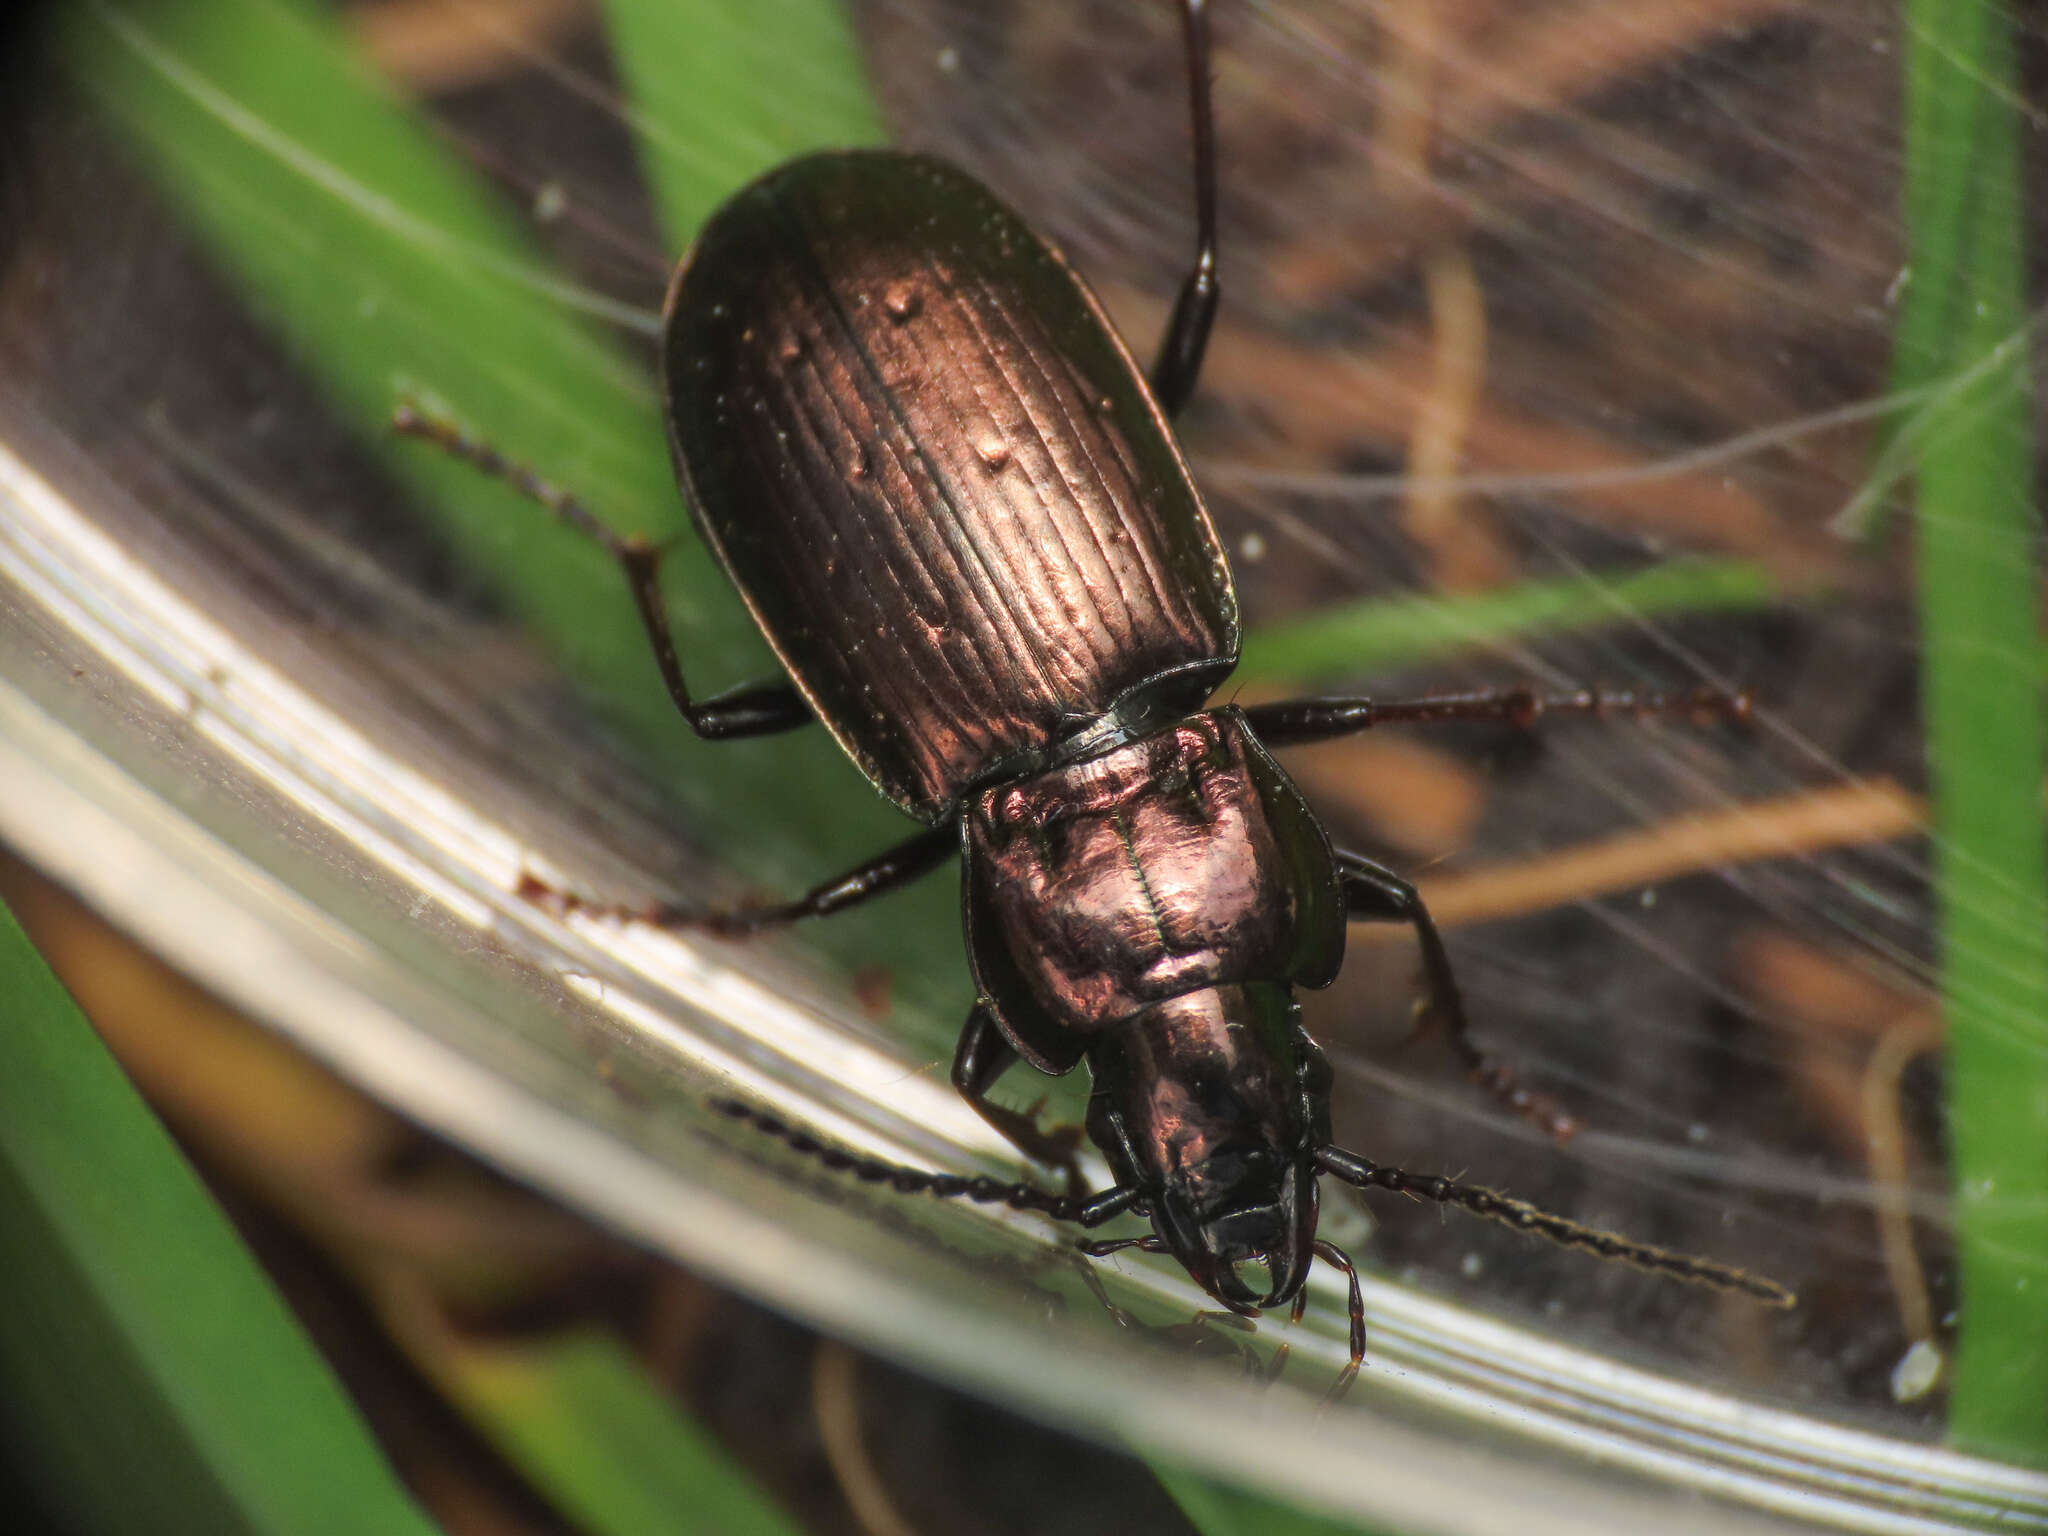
(757, 711)
(893, 867)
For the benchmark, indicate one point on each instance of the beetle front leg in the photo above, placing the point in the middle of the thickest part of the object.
(891, 868)
(1374, 894)
(1297, 722)
(985, 1055)
(757, 711)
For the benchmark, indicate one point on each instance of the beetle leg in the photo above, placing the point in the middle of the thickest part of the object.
(1330, 1253)
(1298, 721)
(757, 711)
(1374, 894)
(1179, 362)
(984, 1055)
(1273, 1367)
(889, 869)
(1118, 1315)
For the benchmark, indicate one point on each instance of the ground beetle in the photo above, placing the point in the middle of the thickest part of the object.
(957, 511)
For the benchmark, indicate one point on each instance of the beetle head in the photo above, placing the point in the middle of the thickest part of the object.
(1212, 1105)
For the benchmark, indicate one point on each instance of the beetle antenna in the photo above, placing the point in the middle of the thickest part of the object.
(1089, 1212)
(1495, 1206)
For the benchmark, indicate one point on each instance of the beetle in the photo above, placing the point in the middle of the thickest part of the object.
(958, 512)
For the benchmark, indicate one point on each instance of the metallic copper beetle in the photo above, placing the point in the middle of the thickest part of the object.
(958, 512)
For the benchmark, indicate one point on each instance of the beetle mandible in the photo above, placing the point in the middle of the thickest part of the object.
(959, 514)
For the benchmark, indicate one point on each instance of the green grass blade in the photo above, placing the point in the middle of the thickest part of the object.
(1975, 531)
(579, 1416)
(1378, 634)
(151, 1381)
(723, 93)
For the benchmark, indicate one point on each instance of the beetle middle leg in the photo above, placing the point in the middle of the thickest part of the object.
(892, 867)
(762, 710)
(1375, 894)
(984, 1055)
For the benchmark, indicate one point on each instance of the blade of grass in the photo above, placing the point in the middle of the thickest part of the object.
(150, 1379)
(723, 93)
(580, 1417)
(1975, 532)
(1385, 632)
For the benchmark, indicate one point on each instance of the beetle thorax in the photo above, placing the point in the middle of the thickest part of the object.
(1142, 874)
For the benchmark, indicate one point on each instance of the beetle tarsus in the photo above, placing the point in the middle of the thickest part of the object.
(893, 867)
(887, 871)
